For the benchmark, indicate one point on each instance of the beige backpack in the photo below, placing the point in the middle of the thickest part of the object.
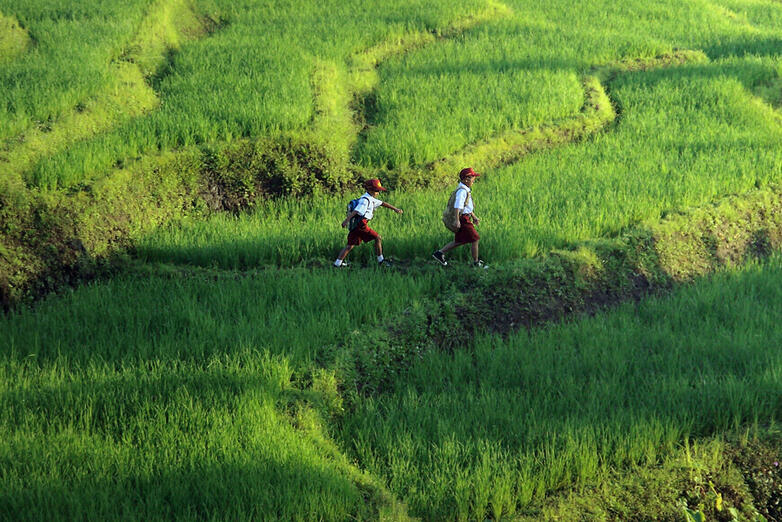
(450, 214)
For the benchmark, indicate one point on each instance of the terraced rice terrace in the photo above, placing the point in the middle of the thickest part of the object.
(176, 343)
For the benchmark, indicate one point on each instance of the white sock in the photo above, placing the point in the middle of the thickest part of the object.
(338, 262)
(380, 259)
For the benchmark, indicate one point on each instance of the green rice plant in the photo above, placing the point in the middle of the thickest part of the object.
(524, 65)
(59, 72)
(512, 74)
(281, 311)
(685, 136)
(177, 379)
(183, 394)
(126, 96)
(561, 406)
(247, 80)
(171, 441)
(14, 40)
(203, 392)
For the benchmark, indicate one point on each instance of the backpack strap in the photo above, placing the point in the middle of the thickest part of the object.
(368, 203)
(355, 219)
(468, 198)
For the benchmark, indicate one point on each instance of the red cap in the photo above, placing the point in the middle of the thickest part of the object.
(468, 173)
(373, 184)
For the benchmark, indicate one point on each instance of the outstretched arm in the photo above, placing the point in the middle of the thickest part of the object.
(397, 210)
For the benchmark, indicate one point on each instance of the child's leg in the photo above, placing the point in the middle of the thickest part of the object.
(344, 252)
(379, 246)
(474, 250)
(450, 246)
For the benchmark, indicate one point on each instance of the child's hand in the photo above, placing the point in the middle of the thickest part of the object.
(398, 210)
(345, 224)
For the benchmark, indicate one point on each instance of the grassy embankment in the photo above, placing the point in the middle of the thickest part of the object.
(208, 392)
(236, 171)
(105, 206)
(155, 340)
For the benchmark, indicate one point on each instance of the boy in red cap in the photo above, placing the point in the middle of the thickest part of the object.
(365, 208)
(465, 233)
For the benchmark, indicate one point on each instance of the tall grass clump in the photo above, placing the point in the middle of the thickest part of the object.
(14, 40)
(487, 431)
(180, 394)
(60, 72)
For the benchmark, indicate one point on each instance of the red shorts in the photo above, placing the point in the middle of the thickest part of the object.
(362, 233)
(466, 232)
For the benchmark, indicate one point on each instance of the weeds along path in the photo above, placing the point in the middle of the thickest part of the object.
(14, 39)
(163, 30)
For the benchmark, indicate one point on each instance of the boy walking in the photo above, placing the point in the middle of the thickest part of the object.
(465, 232)
(364, 211)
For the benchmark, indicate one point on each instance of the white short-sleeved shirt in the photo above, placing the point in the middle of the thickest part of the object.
(366, 206)
(461, 197)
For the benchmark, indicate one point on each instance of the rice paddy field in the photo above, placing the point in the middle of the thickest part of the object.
(224, 370)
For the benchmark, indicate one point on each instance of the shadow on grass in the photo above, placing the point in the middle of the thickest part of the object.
(180, 443)
(211, 487)
(749, 46)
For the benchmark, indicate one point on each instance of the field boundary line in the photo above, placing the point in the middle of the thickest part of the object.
(340, 91)
(596, 114)
(162, 31)
(584, 278)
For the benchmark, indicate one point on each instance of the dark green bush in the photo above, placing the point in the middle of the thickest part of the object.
(240, 175)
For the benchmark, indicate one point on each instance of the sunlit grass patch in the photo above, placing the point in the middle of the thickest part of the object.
(484, 84)
(686, 135)
(164, 440)
(14, 40)
(60, 71)
(126, 97)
